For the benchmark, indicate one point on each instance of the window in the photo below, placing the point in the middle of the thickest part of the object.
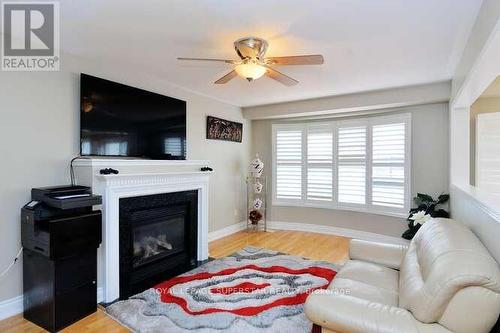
(361, 165)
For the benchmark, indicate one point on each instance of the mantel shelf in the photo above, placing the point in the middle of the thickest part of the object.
(108, 178)
(115, 162)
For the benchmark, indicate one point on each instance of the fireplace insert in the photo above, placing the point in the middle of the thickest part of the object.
(158, 239)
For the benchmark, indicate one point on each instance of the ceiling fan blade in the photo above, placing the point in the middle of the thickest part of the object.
(313, 59)
(210, 59)
(226, 78)
(280, 77)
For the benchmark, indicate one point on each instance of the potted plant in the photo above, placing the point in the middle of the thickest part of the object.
(427, 208)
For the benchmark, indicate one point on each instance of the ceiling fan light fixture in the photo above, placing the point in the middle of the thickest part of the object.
(250, 71)
(253, 63)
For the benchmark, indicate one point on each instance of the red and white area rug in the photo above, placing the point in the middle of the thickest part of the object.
(253, 290)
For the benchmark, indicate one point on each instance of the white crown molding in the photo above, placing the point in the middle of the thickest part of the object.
(430, 93)
(134, 162)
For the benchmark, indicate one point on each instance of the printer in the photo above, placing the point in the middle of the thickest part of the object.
(60, 234)
(60, 221)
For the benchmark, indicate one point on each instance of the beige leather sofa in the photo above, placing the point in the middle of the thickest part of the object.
(444, 281)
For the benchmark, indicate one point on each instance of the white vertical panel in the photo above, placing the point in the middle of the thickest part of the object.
(319, 163)
(351, 143)
(288, 159)
(460, 146)
(488, 151)
(388, 165)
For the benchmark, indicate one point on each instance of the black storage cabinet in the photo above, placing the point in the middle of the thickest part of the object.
(60, 267)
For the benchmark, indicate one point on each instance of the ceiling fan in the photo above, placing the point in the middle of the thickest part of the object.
(254, 65)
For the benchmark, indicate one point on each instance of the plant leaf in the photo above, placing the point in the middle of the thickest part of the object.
(422, 207)
(441, 213)
(425, 197)
(408, 234)
(443, 198)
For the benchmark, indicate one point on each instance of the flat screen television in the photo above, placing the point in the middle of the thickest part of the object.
(119, 120)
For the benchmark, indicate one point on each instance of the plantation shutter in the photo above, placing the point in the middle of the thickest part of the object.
(352, 165)
(319, 163)
(355, 164)
(488, 151)
(388, 165)
(288, 164)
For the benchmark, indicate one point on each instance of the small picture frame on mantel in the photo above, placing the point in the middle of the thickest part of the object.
(226, 130)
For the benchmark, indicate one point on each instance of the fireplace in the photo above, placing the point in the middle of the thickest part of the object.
(158, 238)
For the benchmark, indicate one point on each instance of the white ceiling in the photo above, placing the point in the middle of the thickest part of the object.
(366, 44)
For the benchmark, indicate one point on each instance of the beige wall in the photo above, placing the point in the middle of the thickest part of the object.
(39, 134)
(429, 171)
(482, 105)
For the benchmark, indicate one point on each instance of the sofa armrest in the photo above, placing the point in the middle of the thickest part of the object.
(389, 255)
(348, 314)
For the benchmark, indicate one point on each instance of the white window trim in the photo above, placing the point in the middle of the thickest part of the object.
(334, 204)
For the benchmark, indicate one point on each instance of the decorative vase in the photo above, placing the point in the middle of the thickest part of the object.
(256, 167)
(257, 187)
(257, 204)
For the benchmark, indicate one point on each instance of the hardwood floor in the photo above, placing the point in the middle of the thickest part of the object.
(306, 244)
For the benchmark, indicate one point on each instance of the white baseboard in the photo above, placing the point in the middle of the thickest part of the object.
(331, 230)
(322, 229)
(226, 231)
(11, 307)
(14, 306)
(100, 294)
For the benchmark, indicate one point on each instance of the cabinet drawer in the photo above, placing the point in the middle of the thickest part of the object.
(75, 304)
(75, 271)
(72, 235)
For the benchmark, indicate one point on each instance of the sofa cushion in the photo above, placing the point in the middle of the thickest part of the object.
(368, 281)
(444, 257)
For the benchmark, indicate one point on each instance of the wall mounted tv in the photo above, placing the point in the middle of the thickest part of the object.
(119, 120)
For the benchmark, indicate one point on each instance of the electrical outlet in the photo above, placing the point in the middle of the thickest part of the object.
(236, 212)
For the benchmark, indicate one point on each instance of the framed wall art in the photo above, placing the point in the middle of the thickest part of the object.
(221, 129)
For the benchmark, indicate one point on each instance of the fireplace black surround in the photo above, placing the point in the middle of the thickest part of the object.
(158, 239)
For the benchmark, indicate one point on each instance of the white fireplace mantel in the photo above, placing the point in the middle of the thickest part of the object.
(130, 183)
